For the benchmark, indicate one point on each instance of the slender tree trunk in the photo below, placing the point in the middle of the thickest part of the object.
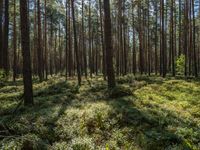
(186, 36)
(83, 42)
(102, 40)
(172, 38)
(66, 41)
(39, 46)
(180, 28)
(190, 45)
(140, 28)
(76, 45)
(5, 40)
(35, 61)
(1, 34)
(60, 49)
(194, 39)
(134, 43)
(55, 53)
(14, 44)
(90, 45)
(51, 47)
(108, 40)
(156, 39)
(70, 57)
(148, 38)
(163, 53)
(45, 40)
(25, 39)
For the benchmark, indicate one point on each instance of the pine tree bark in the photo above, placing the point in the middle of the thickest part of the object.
(25, 39)
(39, 46)
(108, 44)
(163, 53)
(180, 28)
(14, 44)
(45, 41)
(76, 45)
(134, 43)
(186, 26)
(70, 57)
(1, 34)
(148, 38)
(156, 39)
(90, 43)
(66, 41)
(172, 39)
(102, 40)
(51, 47)
(194, 39)
(5, 40)
(83, 42)
(35, 61)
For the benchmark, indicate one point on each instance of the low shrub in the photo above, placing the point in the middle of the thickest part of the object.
(120, 91)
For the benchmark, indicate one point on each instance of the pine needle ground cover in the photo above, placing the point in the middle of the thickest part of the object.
(140, 113)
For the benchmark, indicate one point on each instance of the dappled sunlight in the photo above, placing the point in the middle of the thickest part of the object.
(139, 113)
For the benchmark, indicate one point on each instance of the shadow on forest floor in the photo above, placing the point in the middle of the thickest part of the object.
(140, 113)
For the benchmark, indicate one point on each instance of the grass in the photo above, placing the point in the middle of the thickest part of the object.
(147, 113)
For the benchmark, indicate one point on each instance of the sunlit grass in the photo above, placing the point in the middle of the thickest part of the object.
(140, 113)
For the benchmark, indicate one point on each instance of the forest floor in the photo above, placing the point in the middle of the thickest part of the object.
(146, 113)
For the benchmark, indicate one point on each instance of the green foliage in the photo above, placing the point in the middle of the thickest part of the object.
(82, 143)
(126, 79)
(2, 74)
(180, 64)
(140, 113)
(2, 78)
(120, 91)
(29, 141)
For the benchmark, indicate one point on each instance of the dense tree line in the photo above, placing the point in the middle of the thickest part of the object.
(92, 37)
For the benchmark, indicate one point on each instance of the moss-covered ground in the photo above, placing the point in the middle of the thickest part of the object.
(147, 113)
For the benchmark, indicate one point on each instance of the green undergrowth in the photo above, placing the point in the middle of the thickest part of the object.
(147, 113)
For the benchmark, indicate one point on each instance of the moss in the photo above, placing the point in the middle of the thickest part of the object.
(140, 113)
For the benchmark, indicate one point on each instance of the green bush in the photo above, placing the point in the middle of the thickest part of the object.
(2, 78)
(2, 74)
(120, 91)
(83, 143)
(180, 64)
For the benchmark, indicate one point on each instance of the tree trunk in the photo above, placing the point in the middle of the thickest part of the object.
(25, 37)
(1, 34)
(90, 44)
(51, 47)
(76, 45)
(66, 41)
(35, 61)
(70, 58)
(180, 28)
(102, 40)
(156, 39)
(5, 40)
(134, 43)
(108, 44)
(14, 44)
(45, 40)
(194, 40)
(172, 39)
(39, 46)
(83, 41)
(186, 36)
